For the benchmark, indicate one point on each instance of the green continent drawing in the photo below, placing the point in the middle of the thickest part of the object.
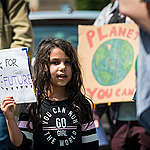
(112, 61)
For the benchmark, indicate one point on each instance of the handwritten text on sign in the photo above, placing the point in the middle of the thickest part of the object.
(15, 77)
(108, 70)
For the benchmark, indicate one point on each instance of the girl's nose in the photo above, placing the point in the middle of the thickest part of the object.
(62, 66)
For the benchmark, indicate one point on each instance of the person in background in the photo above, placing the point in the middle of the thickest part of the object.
(33, 5)
(126, 132)
(139, 11)
(15, 31)
(62, 116)
(102, 138)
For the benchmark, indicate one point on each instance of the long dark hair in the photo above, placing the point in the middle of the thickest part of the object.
(42, 80)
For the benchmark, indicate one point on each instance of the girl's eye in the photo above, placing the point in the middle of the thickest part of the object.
(55, 62)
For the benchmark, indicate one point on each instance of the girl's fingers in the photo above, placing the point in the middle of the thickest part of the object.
(7, 98)
(7, 101)
(4, 109)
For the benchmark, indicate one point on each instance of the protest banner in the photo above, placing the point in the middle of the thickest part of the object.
(108, 56)
(15, 77)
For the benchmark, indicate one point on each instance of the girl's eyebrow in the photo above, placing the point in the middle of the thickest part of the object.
(55, 58)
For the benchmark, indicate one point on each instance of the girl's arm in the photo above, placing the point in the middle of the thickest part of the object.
(7, 106)
(89, 137)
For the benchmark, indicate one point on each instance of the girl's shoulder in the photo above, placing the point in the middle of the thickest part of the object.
(88, 103)
(86, 110)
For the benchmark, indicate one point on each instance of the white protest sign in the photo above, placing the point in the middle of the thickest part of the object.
(15, 77)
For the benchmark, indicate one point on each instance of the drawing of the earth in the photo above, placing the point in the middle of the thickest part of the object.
(112, 61)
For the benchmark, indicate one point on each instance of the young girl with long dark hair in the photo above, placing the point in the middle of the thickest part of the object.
(62, 118)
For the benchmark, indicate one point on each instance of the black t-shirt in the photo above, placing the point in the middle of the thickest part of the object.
(60, 129)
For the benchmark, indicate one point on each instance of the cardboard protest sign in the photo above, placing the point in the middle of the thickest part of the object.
(108, 56)
(15, 77)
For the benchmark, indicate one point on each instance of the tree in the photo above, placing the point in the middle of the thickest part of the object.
(91, 4)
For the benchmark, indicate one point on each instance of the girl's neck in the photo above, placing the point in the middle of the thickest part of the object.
(58, 94)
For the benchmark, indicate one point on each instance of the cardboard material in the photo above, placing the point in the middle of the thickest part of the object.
(15, 77)
(108, 56)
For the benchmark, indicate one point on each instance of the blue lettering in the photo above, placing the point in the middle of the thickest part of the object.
(25, 79)
(10, 80)
(29, 79)
(5, 79)
(20, 81)
(17, 80)
(14, 77)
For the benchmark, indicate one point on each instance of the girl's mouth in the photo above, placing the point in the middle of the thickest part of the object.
(61, 76)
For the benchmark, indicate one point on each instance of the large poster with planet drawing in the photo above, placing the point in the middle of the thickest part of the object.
(108, 56)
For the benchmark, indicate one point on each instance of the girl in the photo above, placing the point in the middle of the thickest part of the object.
(62, 118)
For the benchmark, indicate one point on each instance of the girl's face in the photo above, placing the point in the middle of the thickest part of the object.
(60, 68)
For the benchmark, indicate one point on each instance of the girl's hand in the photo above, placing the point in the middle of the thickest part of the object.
(96, 120)
(7, 106)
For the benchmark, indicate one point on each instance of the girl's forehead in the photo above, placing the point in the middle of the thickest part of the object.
(58, 53)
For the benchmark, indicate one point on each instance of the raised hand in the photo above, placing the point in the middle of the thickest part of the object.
(7, 106)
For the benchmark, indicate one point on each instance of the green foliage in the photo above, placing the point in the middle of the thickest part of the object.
(91, 4)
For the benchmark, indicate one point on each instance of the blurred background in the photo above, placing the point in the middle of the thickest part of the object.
(44, 5)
